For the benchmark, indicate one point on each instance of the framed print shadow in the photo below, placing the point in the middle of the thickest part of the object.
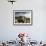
(21, 17)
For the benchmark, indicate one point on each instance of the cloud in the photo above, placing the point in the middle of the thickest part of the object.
(21, 13)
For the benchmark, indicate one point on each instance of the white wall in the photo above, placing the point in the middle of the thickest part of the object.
(38, 30)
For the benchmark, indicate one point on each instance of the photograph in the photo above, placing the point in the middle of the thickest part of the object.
(22, 17)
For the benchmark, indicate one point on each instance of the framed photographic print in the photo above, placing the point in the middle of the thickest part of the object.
(22, 17)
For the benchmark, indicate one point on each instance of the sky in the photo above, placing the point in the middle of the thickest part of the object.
(26, 14)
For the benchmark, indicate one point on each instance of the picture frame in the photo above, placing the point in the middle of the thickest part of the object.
(22, 17)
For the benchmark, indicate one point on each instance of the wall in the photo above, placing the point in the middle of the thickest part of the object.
(38, 29)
